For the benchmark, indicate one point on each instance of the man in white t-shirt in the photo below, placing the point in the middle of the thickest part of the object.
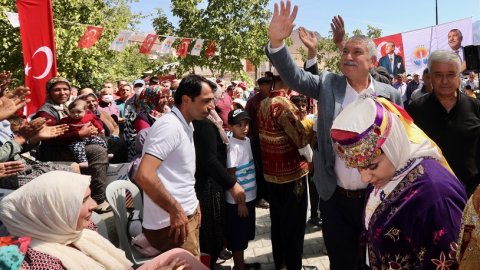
(171, 213)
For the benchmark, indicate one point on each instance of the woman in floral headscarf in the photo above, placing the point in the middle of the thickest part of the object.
(414, 202)
(151, 104)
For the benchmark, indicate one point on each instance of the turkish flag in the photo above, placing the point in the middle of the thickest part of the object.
(210, 52)
(90, 36)
(382, 41)
(148, 43)
(183, 47)
(38, 45)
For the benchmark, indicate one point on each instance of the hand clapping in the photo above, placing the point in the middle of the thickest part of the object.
(13, 101)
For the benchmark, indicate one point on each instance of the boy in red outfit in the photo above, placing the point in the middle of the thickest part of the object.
(79, 116)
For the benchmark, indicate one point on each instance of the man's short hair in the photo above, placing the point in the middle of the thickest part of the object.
(153, 80)
(191, 85)
(459, 33)
(263, 80)
(391, 42)
(372, 49)
(444, 56)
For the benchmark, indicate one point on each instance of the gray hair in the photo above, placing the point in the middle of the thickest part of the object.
(459, 33)
(372, 49)
(444, 56)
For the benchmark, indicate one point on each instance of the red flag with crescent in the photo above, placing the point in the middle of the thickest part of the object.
(90, 36)
(210, 52)
(183, 47)
(38, 46)
(148, 43)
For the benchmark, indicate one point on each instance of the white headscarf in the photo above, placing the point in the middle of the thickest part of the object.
(47, 209)
(400, 146)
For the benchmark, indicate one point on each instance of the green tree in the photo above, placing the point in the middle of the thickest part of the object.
(84, 67)
(239, 29)
(162, 25)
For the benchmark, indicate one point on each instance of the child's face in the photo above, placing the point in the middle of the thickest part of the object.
(240, 130)
(77, 112)
(302, 107)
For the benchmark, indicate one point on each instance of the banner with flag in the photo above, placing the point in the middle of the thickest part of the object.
(13, 19)
(148, 43)
(210, 52)
(416, 46)
(90, 36)
(167, 44)
(183, 47)
(38, 46)
(121, 41)
(197, 48)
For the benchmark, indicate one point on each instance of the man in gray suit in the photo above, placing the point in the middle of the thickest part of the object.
(341, 189)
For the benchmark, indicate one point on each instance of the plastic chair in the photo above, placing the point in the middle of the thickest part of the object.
(115, 194)
(101, 225)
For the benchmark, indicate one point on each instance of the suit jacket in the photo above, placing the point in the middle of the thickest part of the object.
(329, 91)
(397, 64)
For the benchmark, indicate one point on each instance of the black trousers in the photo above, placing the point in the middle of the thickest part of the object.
(262, 187)
(288, 213)
(342, 225)
(97, 164)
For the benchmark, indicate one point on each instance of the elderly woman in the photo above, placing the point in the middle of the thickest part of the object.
(55, 210)
(54, 109)
(414, 207)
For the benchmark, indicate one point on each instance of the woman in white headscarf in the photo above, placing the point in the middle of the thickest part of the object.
(414, 207)
(55, 210)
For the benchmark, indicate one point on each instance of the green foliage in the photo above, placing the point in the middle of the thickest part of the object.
(84, 67)
(162, 25)
(239, 28)
(372, 32)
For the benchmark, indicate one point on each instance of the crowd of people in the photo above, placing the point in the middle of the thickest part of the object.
(388, 163)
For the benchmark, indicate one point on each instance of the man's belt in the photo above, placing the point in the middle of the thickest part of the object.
(352, 194)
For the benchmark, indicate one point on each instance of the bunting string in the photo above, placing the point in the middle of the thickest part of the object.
(124, 38)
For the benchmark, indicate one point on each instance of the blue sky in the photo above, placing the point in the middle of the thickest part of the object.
(390, 16)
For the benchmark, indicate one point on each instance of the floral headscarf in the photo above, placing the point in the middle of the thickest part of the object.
(148, 100)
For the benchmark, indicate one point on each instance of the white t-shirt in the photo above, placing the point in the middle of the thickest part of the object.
(171, 140)
(240, 157)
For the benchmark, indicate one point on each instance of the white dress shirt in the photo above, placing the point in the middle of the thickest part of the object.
(348, 178)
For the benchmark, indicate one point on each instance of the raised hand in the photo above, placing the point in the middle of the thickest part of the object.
(281, 25)
(48, 132)
(310, 40)
(338, 30)
(10, 168)
(13, 101)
